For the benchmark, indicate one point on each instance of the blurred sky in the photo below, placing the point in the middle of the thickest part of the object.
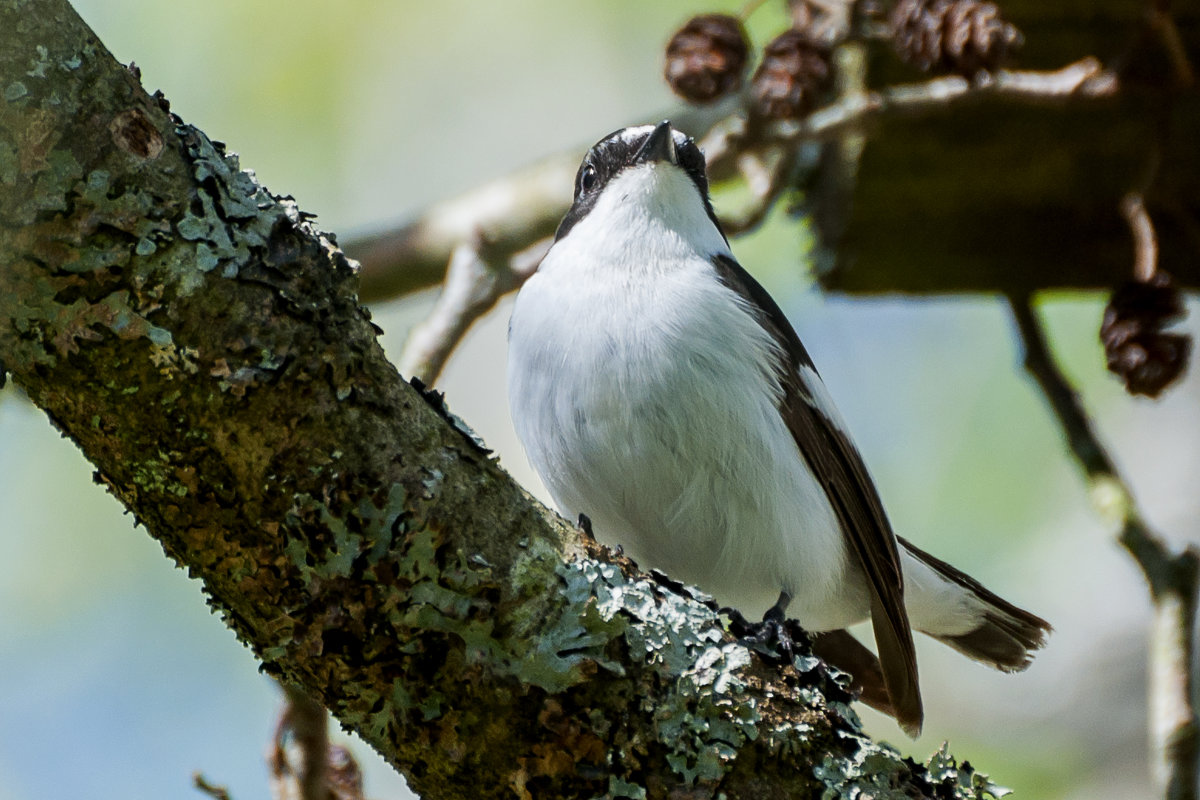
(116, 681)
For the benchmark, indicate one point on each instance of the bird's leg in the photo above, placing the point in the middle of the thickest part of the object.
(585, 528)
(774, 628)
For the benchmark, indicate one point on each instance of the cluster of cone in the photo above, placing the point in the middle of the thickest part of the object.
(708, 57)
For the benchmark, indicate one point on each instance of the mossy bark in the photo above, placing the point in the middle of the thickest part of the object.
(203, 345)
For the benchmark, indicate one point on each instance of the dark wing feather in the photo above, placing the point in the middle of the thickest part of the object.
(836, 462)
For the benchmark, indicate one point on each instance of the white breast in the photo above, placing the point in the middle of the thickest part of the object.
(644, 392)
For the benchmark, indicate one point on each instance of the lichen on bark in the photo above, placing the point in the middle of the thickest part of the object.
(202, 342)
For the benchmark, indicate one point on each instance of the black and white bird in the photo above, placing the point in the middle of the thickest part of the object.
(659, 390)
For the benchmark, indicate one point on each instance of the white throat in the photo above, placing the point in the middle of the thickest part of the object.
(648, 217)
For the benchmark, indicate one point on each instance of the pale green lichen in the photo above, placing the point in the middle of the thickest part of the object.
(706, 717)
(53, 184)
(378, 525)
(233, 214)
(157, 473)
(878, 771)
(9, 163)
(708, 713)
(944, 769)
(620, 788)
(39, 65)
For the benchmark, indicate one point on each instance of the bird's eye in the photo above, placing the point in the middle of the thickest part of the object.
(587, 180)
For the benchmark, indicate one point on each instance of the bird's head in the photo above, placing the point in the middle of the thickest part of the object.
(644, 181)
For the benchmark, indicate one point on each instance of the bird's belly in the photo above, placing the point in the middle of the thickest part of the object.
(673, 446)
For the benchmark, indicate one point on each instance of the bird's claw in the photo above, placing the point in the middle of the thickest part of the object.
(775, 638)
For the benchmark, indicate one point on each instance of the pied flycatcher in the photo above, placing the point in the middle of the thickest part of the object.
(658, 389)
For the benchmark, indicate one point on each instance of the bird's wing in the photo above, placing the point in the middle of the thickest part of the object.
(839, 468)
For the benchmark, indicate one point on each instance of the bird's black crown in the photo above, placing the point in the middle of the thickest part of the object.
(618, 151)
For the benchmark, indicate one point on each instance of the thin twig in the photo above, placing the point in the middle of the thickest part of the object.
(1173, 578)
(509, 213)
(210, 789)
(767, 180)
(345, 776)
(472, 287)
(1145, 243)
(307, 723)
(823, 20)
(1163, 23)
(748, 8)
(1084, 78)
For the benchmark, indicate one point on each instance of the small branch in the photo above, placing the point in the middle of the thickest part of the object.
(1163, 23)
(1084, 78)
(1145, 243)
(473, 285)
(722, 143)
(212, 790)
(509, 213)
(1174, 579)
(307, 722)
(767, 179)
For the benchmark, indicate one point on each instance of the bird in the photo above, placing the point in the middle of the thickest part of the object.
(660, 392)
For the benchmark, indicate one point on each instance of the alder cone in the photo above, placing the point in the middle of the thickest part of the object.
(952, 36)
(706, 58)
(1137, 348)
(794, 73)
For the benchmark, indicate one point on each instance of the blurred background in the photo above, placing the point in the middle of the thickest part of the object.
(117, 682)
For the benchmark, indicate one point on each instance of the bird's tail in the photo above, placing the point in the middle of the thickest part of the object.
(956, 609)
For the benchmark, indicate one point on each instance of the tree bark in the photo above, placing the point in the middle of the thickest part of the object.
(203, 345)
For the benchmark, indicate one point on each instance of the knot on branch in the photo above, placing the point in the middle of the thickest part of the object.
(134, 133)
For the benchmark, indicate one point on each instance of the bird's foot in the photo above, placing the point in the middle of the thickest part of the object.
(775, 638)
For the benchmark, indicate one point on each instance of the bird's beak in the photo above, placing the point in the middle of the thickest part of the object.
(659, 147)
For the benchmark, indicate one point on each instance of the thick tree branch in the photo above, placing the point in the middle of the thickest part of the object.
(203, 345)
(1174, 578)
